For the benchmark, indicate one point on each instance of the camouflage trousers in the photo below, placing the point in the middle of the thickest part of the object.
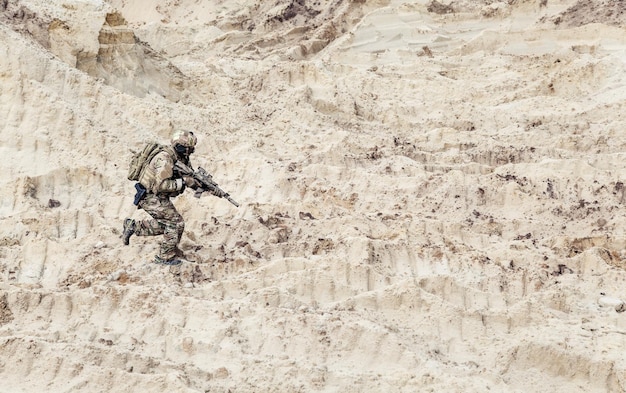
(165, 221)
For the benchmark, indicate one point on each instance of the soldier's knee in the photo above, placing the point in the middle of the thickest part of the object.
(178, 219)
(180, 227)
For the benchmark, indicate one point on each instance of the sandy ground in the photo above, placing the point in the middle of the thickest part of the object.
(432, 196)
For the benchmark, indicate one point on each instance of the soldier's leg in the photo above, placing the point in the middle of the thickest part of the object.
(172, 232)
(151, 226)
(165, 221)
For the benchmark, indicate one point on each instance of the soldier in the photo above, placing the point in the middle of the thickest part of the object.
(161, 183)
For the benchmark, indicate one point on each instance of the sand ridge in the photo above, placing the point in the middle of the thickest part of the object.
(431, 196)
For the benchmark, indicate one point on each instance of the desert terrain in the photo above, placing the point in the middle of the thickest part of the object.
(431, 196)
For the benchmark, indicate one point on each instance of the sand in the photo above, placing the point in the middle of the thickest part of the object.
(432, 196)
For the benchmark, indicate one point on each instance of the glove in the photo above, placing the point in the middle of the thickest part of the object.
(190, 182)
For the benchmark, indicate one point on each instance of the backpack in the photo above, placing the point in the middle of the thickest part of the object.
(140, 159)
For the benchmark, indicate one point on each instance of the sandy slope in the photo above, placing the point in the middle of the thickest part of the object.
(432, 196)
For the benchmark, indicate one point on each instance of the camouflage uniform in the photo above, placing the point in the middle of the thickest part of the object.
(159, 179)
(166, 221)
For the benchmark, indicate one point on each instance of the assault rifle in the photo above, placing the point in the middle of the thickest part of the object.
(205, 180)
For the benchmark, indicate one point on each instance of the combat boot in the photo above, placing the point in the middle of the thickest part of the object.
(129, 229)
(172, 262)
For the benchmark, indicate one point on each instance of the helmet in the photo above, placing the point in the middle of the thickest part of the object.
(184, 138)
(184, 141)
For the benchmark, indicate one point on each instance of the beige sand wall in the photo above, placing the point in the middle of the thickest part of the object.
(431, 195)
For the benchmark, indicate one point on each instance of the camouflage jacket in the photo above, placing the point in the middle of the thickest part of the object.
(159, 177)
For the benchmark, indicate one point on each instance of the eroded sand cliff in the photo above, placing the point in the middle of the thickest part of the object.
(431, 193)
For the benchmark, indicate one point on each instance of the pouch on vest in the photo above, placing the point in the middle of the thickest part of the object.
(140, 194)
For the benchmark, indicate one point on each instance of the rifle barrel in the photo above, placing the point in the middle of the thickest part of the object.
(231, 200)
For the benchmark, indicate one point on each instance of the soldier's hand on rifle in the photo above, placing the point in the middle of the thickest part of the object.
(190, 182)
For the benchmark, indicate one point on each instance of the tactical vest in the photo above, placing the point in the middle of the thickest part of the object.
(151, 180)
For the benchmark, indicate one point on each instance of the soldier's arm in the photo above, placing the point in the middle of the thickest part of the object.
(164, 169)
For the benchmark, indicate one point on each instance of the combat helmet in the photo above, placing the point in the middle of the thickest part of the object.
(184, 142)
